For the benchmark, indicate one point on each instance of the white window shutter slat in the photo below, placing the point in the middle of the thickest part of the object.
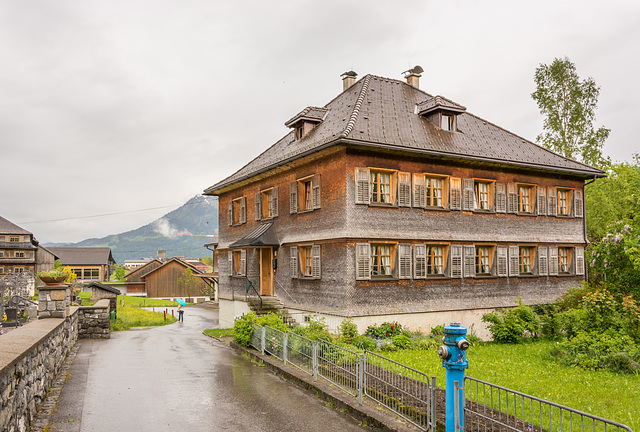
(552, 208)
(293, 261)
(243, 262)
(404, 189)
(553, 260)
(467, 194)
(543, 261)
(512, 198)
(469, 267)
(577, 204)
(419, 191)
(243, 210)
(502, 264)
(363, 261)
(317, 253)
(230, 256)
(293, 197)
(420, 261)
(542, 202)
(362, 186)
(275, 200)
(579, 252)
(456, 194)
(514, 261)
(315, 186)
(404, 259)
(501, 198)
(456, 261)
(230, 213)
(258, 206)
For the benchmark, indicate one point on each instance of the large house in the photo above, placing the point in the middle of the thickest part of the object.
(389, 203)
(20, 253)
(88, 263)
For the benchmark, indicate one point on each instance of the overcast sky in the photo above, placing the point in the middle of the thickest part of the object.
(118, 107)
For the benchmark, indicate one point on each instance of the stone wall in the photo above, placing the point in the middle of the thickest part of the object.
(94, 321)
(30, 359)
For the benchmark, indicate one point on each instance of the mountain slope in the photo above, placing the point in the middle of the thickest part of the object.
(174, 232)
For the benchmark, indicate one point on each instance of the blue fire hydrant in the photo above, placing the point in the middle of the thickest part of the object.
(454, 358)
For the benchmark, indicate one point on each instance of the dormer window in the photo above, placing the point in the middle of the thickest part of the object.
(441, 111)
(306, 120)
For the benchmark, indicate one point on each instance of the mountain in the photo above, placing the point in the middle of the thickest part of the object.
(176, 232)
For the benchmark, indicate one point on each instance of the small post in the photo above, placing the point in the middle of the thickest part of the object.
(263, 340)
(284, 348)
(165, 315)
(454, 358)
(314, 359)
(360, 378)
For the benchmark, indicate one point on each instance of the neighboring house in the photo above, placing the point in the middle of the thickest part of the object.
(88, 263)
(135, 282)
(21, 253)
(101, 291)
(134, 264)
(389, 203)
(198, 264)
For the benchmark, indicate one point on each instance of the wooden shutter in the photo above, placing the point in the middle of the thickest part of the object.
(502, 261)
(579, 253)
(553, 260)
(258, 206)
(293, 197)
(456, 261)
(243, 210)
(419, 191)
(315, 187)
(404, 190)
(420, 261)
(501, 198)
(512, 198)
(469, 267)
(456, 194)
(404, 260)
(230, 262)
(514, 261)
(577, 203)
(467, 194)
(243, 262)
(552, 208)
(543, 261)
(293, 261)
(542, 202)
(317, 253)
(275, 193)
(363, 178)
(230, 215)
(363, 261)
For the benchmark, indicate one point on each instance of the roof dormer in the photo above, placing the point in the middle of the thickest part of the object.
(306, 120)
(440, 111)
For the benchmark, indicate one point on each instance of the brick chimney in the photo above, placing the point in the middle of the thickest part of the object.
(413, 76)
(348, 79)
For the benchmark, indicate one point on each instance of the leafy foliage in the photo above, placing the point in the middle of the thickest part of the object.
(385, 330)
(348, 331)
(615, 261)
(569, 107)
(513, 325)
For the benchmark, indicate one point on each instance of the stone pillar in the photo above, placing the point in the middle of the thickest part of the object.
(54, 301)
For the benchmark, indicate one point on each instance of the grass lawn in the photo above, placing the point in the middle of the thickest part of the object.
(145, 302)
(131, 314)
(219, 332)
(528, 368)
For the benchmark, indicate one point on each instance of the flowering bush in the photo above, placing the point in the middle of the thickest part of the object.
(615, 260)
(385, 330)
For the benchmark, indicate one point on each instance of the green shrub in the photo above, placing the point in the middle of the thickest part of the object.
(385, 330)
(315, 329)
(599, 350)
(427, 344)
(274, 321)
(401, 341)
(513, 325)
(348, 331)
(365, 343)
(473, 338)
(437, 331)
(243, 329)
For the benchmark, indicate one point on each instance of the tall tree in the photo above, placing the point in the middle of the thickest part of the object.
(569, 107)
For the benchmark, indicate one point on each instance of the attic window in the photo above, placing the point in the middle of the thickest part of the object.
(299, 130)
(448, 122)
(441, 111)
(306, 120)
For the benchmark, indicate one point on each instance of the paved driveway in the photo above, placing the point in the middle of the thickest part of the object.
(176, 378)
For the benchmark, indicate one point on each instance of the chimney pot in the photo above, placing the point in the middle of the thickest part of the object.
(413, 76)
(348, 79)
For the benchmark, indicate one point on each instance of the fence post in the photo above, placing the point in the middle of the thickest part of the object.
(314, 356)
(263, 340)
(360, 378)
(454, 358)
(284, 348)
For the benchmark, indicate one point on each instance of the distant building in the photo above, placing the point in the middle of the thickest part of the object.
(88, 263)
(134, 264)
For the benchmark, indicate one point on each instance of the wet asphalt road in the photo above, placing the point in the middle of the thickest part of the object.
(175, 378)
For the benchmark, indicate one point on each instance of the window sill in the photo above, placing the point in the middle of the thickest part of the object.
(485, 276)
(526, 214)
(436, 208)
(385, 205)
(487, 211)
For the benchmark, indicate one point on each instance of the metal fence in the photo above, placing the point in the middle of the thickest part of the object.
(408, 392)
(489, 407)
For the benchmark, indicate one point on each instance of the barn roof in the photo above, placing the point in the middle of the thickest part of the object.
(384, 113)
(83, 255)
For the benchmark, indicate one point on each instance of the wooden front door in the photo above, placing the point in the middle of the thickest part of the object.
(266, 271)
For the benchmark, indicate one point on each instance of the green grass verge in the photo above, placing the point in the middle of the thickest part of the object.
(131, 314)
(530, 369)
(219, 332)
(145, 302)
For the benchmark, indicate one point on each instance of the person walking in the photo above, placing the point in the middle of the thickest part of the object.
(180, 313)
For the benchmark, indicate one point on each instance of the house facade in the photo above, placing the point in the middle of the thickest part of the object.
(389, 203)
(88, 263)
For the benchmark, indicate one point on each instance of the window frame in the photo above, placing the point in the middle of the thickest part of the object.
(490, 253)
(568, 200)
(531, 198)
(393, 181)
(450, 119)
(298, 194)
(529, 256)
(303, 255)
(490, 192)
(429, 188)
(18, 254)
(391, 255)
(237, 211)
(14, 239)
(565, 256)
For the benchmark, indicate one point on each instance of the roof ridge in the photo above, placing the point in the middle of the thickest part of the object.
(356, 108)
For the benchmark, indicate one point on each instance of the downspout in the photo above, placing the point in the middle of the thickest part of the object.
(584, 223)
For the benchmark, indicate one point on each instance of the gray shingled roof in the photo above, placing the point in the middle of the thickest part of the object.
(381, 112)
(7, 227)
(83, 255)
